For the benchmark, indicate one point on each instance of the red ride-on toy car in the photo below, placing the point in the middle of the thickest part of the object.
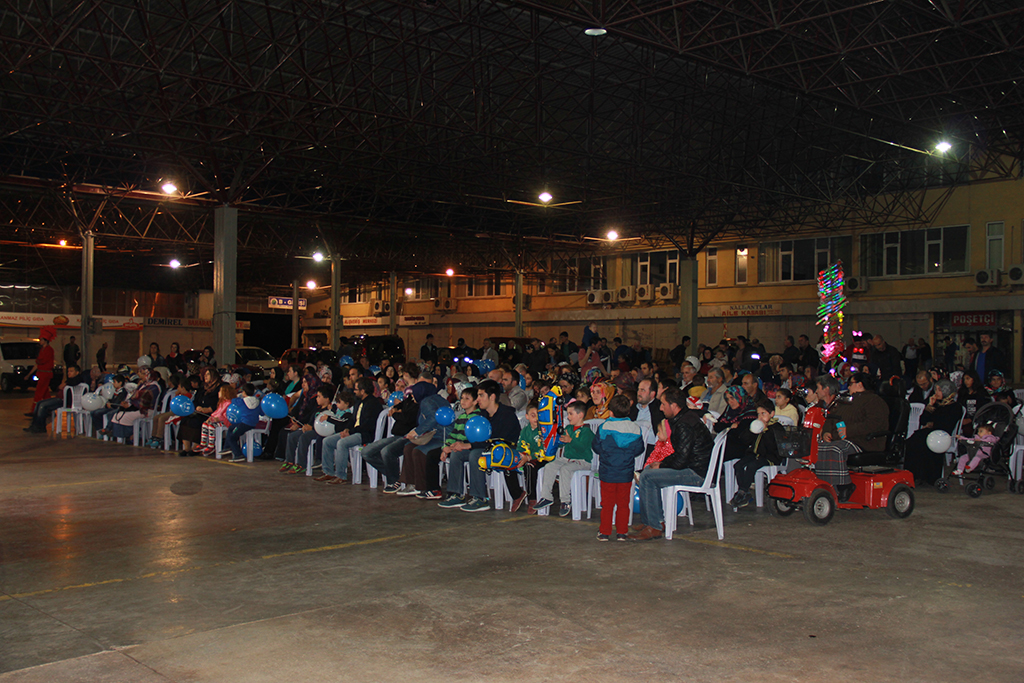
(878, 483)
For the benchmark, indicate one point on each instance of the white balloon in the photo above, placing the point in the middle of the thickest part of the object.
(939, 441)
(107, 391)
(756, 427)
(321, 426)
(144, 360)
(130, 387)
(92, 401)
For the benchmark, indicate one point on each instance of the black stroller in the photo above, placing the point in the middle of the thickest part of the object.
(1000, 417)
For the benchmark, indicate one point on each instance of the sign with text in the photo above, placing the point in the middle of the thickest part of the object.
(357, 321)
(110, 322)
(414, 320)
(284, 303)
(739, 310)
(982, 319)
(193, 322)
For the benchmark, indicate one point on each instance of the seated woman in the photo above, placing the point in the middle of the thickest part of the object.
(205, 399)
(218, 418)
(300, 415)
(737, 419)
(177, 387)
(972, 395)
(942, 412)
(131, 409)
(122, 426)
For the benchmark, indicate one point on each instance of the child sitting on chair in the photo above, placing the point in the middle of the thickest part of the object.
(576, 455)
(208, 440)
(978, 447)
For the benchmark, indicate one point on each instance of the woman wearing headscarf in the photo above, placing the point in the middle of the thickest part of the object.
(302, 413)
(205, 401)
(942, 412)
(737, 418)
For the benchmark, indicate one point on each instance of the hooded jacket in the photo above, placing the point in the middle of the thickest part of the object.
(618, 444)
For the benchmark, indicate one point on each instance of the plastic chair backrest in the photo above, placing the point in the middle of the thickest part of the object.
(77, 392)
(382, 423)
(594, 424)
(166, 404)
(786, 421)
(714, 464)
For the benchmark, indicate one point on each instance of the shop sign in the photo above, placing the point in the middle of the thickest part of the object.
(414, 320)
(59, 320)
(739, 310)
(356, 321)
(982, 319)
(284, 303)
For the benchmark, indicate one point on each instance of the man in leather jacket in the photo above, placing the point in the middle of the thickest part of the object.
(687, 465)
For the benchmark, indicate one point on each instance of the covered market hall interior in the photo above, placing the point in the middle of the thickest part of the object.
(259, 173)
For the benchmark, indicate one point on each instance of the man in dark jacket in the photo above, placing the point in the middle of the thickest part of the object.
(334, 450)
(886, 359)
(865, 421)
(988, 357)
(687, 466)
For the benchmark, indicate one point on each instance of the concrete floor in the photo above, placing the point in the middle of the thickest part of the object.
(121, 564)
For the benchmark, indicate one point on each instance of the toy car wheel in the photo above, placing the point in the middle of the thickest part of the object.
(990, 483)
(942, 486)
(901, 501)
(780, 508)
(819, 507)
(973, 489)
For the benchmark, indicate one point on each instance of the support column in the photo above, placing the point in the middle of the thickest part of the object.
(295, 314)
(393, 318)
(335, 303)
(519, 303)
(1018, 348)
(225, 282)
(688, 299)
(88, 269)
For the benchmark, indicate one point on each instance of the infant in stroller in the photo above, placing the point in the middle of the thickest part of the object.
(974, 450)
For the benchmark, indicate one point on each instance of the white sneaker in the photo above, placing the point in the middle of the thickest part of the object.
(408, 491)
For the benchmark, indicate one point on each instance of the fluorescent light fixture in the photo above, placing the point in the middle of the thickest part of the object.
(612, 235)
(311, 284)
(449, 272)
(318, 256)
(545, 197)
(169, 188)
(596, 31)
(943, 147)
(175, 263)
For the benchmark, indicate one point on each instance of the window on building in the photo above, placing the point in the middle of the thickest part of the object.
(357, 294)
(581, 274)
(994, 245)
(915, 252)
(741, 265)
(656, 268)
(800, 260)
(711, 258)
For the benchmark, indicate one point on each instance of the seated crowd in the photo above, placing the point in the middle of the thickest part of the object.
(644, 423)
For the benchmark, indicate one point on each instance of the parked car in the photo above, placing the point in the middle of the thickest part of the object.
(255, 356)
(17, 355)
(511, 350)
(301, 356)
(378, 347)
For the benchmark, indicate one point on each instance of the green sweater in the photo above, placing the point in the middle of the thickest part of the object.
(580, 448)
(530, 442)
(457, 430)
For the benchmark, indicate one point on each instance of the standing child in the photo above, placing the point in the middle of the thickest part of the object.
(576, 455)
(618, 444)
(208, 438)
(979, 448)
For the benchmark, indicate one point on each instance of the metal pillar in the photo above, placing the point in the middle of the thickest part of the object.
(295, 314)
(88, 266)
(688, 299)
(393, 318)
(519, 303)
(335, 303)
(1016, 371)
(225, 282)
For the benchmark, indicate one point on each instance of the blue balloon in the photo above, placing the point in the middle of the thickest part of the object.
(345, 360)
(182, 406)
(257, 449)
(274, 406)
(234, 411)
(395, 397)
(444, 416)
(109, 377)
(485, 366)
(522, 382)
(375, 369)
(478, 428)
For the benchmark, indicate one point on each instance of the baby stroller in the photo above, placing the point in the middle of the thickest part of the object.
(1000, 417)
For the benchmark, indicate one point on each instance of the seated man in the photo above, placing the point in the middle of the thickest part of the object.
(334, 450)
(504, 427)
(45, 408)
(687, 465)
(865, 418)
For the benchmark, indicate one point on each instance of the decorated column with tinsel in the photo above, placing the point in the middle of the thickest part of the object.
(831, 302)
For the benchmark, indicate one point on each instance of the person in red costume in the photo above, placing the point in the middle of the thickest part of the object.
(43, 368)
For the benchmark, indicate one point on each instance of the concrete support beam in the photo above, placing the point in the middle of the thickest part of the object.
(335, 302)
(688, 298)
(393, 318)
(225, 282)
(1018, 348)
(295, 314)
(519, 303)
(88, 267)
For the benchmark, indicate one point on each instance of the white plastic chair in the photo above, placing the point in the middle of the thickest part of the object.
(355, 454)
(583, 484)
(951, 451)
(250, 438)
(1019, 393)
(79, 417)
(710, 487)
(914, 421)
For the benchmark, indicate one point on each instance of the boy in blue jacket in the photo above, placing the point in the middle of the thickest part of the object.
(618, 444)
(249, 418)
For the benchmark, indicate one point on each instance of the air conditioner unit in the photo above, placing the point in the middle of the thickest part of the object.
(594, 297)
(987, 278)
(609, 296)
(627, 294)
(439, 304)
(380, 307)
(449, 304)
(645, 293)
(667, 291)
(1015, 274)
(856, 284)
